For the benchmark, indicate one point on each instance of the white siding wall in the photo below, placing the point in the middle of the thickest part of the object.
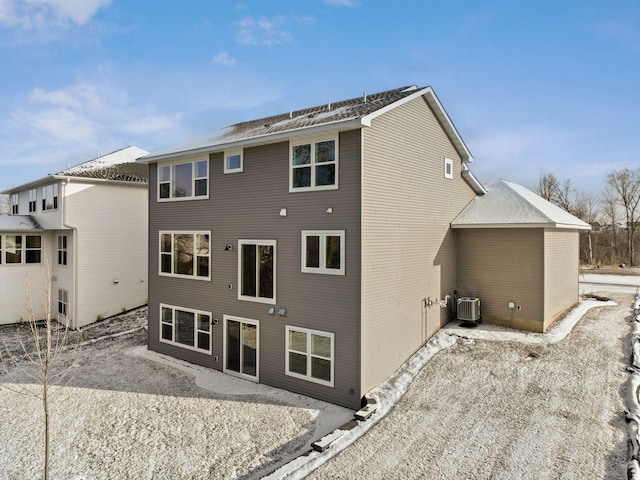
(13, 278)
(407, 244)
(111, 222)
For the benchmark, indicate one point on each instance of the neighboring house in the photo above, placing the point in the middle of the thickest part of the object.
(88, 225)
(312, 250)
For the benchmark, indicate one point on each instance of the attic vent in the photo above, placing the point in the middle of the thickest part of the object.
(311, 115)
(267, 125)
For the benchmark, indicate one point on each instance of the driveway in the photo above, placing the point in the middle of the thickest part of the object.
(485, 409)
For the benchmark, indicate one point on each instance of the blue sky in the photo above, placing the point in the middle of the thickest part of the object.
(531, 86)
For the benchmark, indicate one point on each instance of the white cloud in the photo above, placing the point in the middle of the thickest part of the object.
(224, 59)
(262, 31)
(38, 14)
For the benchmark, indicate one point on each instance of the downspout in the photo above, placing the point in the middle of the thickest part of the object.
(63, 199)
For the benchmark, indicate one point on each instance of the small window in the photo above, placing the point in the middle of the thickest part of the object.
(257, 271)
(233, 161)
(314, 165)
(185, 327)
(183, 181)
(13, 249)
(448, 168)
(309, 355)
(33, 250)
(323, 252)
(63, 303)
(185, 254)
(15, 201)
(62, 249)
(32, 200)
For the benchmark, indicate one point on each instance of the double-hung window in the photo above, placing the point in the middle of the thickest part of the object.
(309, 355)
(323, 251)
(183, 181)
(50, 197)
(62, 249)
(63, 302)
(185, 254)
(257, 271)
(185, 327)
(32, 200)
(314, 165)
(15, 201)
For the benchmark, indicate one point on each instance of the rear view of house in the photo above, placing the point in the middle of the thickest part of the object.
(312, 250)
(83, 229)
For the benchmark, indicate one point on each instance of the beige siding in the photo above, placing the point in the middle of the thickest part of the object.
(560, 272)
(110, 243)
(501, 266)
(407, 243)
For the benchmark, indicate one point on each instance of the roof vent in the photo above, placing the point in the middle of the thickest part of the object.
(364, 97)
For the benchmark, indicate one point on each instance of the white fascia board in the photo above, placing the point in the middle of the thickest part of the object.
(440, 112)
(71, 178)
(471, 178)
(520, 225)
(35, 183)
(259, 140)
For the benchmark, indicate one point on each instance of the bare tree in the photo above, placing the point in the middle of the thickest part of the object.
(585, 207)
(609, 210)
(625, 184)
(39, 358)
(548, 185)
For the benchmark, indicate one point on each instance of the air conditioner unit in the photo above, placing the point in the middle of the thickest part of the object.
(468, 309)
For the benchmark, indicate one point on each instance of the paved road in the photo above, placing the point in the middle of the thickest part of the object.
(505, 410)
(591, 283)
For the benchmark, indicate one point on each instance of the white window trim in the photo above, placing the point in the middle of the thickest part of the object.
(63, 249)
(65, 293)
(224, 347)
(195, 329)
(33, 200)
(448, 162)
(55, 199)
(23, 249)
(15, 203)
(309, 355)
(257, 299)
(195, 265)
(312, 141)
(323, 251)
(193, 181)
(230, 153)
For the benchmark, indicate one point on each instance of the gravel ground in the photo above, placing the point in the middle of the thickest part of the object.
(505, 410)
(125, 416)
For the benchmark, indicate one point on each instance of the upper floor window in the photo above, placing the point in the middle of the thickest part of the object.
(185, 254)
(233, 161)
(62, 249)
(257, 271)
(323, 252)
(32, 200)
(314, 165)
(50, 197)
(183, 181)
(448, 168)
(15, 201)
(19, 249)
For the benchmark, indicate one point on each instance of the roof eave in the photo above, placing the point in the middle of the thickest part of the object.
(441, 114)
(72, 178)
(342, 125)
(520, 225)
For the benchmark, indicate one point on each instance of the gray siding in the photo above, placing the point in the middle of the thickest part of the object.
(561, 266)
(246, 206)
(503, 265)
(408, 246)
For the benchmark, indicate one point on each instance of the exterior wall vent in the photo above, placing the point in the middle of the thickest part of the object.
(468, 309)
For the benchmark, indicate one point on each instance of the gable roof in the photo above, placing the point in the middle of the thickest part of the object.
(342, 115)
(118, 166)
(509, 205)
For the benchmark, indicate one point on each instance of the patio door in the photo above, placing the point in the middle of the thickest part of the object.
(241, 342)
